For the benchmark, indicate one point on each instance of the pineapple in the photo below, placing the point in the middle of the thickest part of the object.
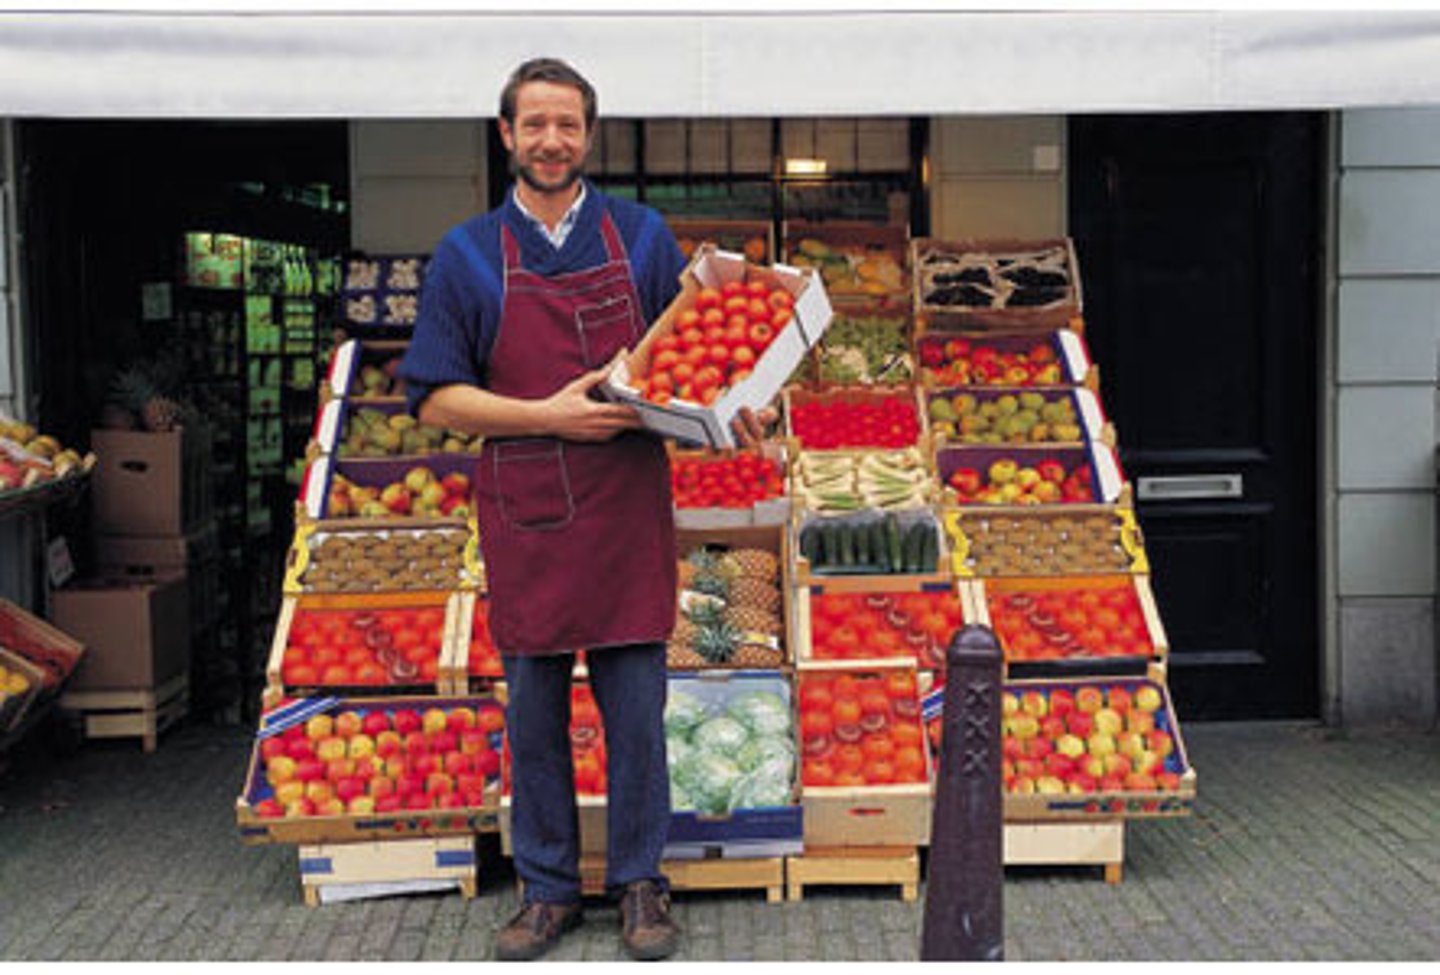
(711, 584)
(755, 594)
(684, 632)
(752, 620)
(717, 642)
(752, 563)
(135, 390)
(160, 414)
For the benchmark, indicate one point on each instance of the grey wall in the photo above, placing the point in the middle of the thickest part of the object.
(411, 181)
(1385, 376)
(998, 176)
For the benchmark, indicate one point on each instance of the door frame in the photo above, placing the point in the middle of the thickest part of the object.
(1328, 390)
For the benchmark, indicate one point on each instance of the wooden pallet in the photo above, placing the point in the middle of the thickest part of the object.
(851, 865)
(442, 858)
(712, 873)
(143, 714)
(1065, 843)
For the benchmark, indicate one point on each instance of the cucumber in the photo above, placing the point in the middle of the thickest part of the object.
(862, 544)
(847, 545)
(914, 542)
(810, 544)
(930, 551)
(894, 555)
(830, 546)
(878, 545)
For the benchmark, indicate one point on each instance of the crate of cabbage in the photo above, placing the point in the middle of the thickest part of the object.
(865, 544)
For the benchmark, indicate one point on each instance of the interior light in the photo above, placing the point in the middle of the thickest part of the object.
(805, 167)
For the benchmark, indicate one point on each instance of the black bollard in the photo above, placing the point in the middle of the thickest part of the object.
(964, 902)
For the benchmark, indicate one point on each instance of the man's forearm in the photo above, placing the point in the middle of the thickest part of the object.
(471, 410)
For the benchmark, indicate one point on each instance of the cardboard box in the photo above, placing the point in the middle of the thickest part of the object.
(137, 634)
(710, 425)
(150, 483)
(196, 557)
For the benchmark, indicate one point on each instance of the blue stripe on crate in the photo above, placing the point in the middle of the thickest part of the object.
(292, 714)
(932, 705)
(934, 587)
(454, 858)
(313, 865)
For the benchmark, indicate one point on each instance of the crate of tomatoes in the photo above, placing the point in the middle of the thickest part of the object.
(887, 624)
(729, 489)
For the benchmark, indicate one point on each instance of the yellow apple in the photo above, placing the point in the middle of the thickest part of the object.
(1147, 698)
(1109, 721)
(320, 726)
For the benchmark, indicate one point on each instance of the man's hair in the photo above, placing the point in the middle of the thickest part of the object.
(554, 71)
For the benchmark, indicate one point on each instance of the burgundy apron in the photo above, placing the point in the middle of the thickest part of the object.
(578, 538)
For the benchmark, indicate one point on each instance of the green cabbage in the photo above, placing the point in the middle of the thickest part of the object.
(707, 778)
(763, 712)
(768, 784)
(682, 713)
(721, 735)
(759, 749)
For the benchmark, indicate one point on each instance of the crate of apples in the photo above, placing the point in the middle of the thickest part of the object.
(390, 490)
(325, 650)
(1030, 476)
(1071, 622)
(879, 626)
(364, 768)
(1056, 359)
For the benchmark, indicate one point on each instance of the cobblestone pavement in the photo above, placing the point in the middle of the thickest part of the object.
(1306, 844)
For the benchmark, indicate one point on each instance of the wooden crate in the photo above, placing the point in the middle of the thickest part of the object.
(14, 706)
(131, 714)
(959, 522)
(55, 652)
(774, 539)
(765, 873)
(1089, 413)
(442, 858)
(804, 575)
(852, 866)
(1108, 484)
(801, 628)
(793, 396)
(471, 574)
(1062, 844)
(1038, 317)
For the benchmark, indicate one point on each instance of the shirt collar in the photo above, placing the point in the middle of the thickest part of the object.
(562, 229)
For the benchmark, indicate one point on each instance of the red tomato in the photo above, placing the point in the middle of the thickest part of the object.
(756, 288)
(707, 298)
(758, 310)
(780, 299)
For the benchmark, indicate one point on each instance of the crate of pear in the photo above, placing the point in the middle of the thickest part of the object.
(1017, 416)
(375, 432)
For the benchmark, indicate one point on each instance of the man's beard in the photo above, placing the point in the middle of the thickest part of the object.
(527, 173)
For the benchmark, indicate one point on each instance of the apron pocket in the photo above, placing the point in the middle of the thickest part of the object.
(605, 329)
(532, 485)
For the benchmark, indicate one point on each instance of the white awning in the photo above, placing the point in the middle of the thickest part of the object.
(452, 64)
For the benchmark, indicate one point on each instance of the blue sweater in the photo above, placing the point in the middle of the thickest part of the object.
(460, 302)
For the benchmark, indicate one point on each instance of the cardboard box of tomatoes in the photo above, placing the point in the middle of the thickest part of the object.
(729, 340)
(729, 489)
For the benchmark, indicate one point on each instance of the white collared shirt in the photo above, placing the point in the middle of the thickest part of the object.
(562, 229)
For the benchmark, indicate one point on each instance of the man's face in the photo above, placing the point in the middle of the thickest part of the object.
(548, 141)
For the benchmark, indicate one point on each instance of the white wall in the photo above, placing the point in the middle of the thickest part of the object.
(411, 181)
(1385, 377)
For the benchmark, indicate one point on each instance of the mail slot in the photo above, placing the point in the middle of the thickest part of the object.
(1190, 487)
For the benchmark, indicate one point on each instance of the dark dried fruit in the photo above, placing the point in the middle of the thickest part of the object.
(1033, 297)
(1034, 277)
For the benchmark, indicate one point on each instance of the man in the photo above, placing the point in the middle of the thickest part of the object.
(523, 310)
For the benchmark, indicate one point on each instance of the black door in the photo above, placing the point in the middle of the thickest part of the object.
(1199, 239)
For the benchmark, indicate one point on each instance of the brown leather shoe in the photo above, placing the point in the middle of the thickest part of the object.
(535, 929)
(646, 928)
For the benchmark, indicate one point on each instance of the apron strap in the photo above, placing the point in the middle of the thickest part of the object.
(511, 249)
(614, 246)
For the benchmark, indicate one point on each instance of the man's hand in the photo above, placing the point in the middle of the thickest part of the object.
(749, 426)
(572, 415)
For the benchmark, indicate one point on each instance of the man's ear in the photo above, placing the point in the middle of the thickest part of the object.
(507, 137)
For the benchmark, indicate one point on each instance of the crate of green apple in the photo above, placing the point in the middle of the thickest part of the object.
(366, 369)
(1086, 750)
(1016, 415)
(355, 428)
(395, 492)
(1055, 358)
(349, 769)
(1022, 476)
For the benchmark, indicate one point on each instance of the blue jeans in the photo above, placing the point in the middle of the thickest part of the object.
(629, 687)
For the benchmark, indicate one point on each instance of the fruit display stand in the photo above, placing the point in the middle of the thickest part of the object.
(1011, 284)
(1086, 625)
(1044, 540)
(1017, 415)
(1032, 360)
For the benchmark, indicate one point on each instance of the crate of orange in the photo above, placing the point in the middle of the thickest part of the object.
(588, 761)
(1071, 625)
(865, 766)
(363, 643)
(889, 625)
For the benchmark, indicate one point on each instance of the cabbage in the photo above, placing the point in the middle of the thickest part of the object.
(676, 748)
(707, 778)
(763, 712)
(722, 735)
(759, 749)
(767, 785)
(682, 713)
(680, 800)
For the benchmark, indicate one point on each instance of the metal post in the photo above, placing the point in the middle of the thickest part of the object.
(964, 904)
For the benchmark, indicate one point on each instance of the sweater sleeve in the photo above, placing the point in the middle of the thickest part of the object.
(657, 263)
(442, 350)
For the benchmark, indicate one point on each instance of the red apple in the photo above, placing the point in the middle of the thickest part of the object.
(1089, 698)
(381, 786)
(269, 809)
(300, 748)
(1062, 702)
(455, 763)
(406, 721)
(387, 804)
(425, 764)
(300, 807)
(487, 763)
(456, 483)
(459, 719)
(452, 800)
(409, 784)
(1052, 726)
(1059, 765)
(1080, 723)
(1118, 699)
(375, 722)
(417, 801)
(438, 783)
(270, 747)
(348, 788)
(1113, 783)
(309, 770)
(473, 741)
(320, 726)
(443, 741)
(367, 768)
(416, 744)
(348, 724)
(339, 768)
(388, 743)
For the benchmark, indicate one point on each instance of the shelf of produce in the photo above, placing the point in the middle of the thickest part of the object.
(1032, 360)
(745, 573)
(396, 642)
(355, 429)
(358, 558)
(1013, 476)
(989, 279)
(292, 791)
(331, 870)
(833, 482)
(856, 417)
(893, 624)
(1018, 416)
(1044, 540)
(1071, 626)
(851, 552)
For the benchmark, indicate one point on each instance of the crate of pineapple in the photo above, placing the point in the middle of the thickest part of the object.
(363, 559)
(734, 599)
(999, 284)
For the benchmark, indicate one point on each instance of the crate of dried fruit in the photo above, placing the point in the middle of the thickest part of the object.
(865, 765)
(1052, 626)
(1017, 416)
(362, 559)
(336, 769)
(364, 643)
(890, 623)
(380, 293)
(395, 492)
(856, 417)
(730, 489)
(862, 263)
(837, 482)
(364, 370)
(1012, 476)
(734, 599)
(1044, 540)
(1101, 749)
(754, 239)
(866, 347)
(846, 552)
(1027, 360)
(55, 653)
(1021, 284)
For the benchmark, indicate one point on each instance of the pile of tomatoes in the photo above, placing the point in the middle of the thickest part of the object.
(484, 658)
(1093, 622)
(587, 742)
(369, 647)
(964, 362)
(878, 625)
(738, 481)
(861, 730)
(888, 422)
(715, 343)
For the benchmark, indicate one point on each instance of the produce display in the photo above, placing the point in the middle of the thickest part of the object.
(730, 610)
(860, 729)
(1013, 480)
(878, 625)
(715, 342)
(386, 560)
(866, 349)
(955, 278)
(835, 483)
(370, 432)
(1016, 418)
(976, 361)
(735, 481)
(419, 494)
(1032, 543)
(1094, 621)
(363, 647)
(841, 420)
(29, 458)
(367, 761)
(851, 269)
(379, 381)
(871, 545)
(729, 751)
